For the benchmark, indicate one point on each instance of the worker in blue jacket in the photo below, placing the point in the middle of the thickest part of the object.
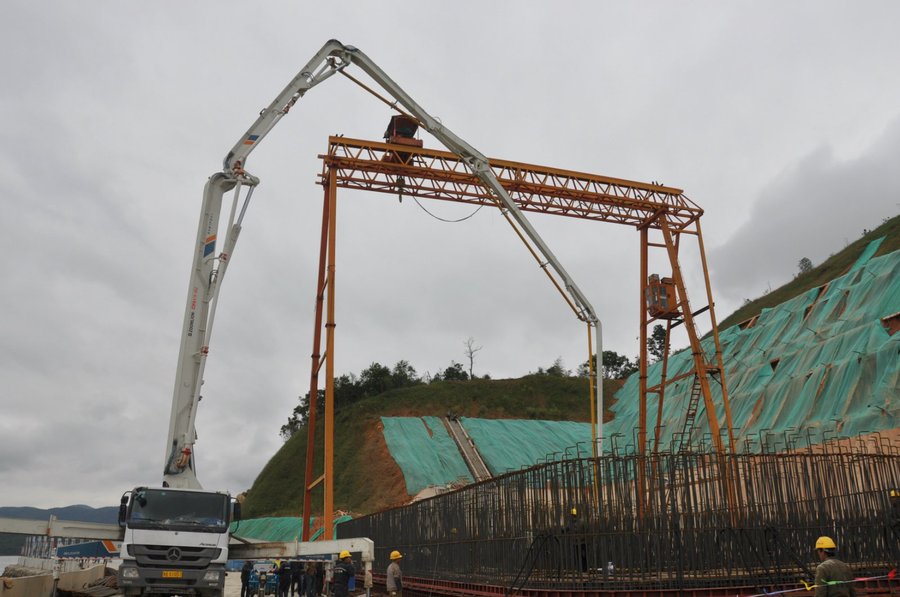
(343, 572)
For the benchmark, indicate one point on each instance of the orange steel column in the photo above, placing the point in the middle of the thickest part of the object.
(715, 331)
(701, 370)
(328, 512)
(642, 392)
(308, 482)
(642, 377)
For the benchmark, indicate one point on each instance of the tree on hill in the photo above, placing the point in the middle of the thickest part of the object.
(656, 342)
(615, 365)
(349, 388)
(471, 349)
(454, 372)
(557, 369)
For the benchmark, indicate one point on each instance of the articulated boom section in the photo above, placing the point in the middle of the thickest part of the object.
(197, 325)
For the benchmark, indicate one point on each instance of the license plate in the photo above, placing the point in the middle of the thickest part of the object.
(171, 574)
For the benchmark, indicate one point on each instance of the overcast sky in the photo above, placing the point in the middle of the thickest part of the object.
(780, 119)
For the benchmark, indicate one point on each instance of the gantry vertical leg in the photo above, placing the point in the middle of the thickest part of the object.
(642, 365)
(328, 513)
(642, 376)
(308, 482)
(715, 332)
(700, 366)
(325, 284)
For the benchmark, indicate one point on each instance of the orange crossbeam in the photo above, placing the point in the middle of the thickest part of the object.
(432, 174)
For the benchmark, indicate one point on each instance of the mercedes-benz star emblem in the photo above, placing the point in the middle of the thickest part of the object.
(174, 554)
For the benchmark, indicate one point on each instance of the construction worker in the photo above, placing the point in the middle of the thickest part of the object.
(284, 579)
(575, 529)
(342, 573)
(245, 578)
(832, 570)
(394, 578)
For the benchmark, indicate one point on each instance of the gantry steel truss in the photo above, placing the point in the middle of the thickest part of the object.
(653, 209)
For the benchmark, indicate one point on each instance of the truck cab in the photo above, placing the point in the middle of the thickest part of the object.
(175, 540)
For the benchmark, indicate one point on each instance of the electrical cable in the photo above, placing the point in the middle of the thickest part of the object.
(445, 220)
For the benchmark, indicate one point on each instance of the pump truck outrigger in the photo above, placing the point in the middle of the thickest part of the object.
(176, 536)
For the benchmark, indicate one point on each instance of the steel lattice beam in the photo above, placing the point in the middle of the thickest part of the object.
(431, 174)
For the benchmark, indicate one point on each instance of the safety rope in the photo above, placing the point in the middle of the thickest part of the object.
(828, 583)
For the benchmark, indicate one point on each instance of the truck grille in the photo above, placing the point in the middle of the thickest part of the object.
(163, 556)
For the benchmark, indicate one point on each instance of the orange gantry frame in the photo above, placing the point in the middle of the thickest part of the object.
(432, 174)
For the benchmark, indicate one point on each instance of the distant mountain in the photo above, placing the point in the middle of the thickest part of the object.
(11, 544)
(79, 512)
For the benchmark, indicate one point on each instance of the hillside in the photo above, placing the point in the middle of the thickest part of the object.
(830, 269)
(366, 477)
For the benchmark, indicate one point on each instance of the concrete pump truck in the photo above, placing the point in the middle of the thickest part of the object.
(175, 536)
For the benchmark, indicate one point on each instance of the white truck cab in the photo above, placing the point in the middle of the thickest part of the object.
(175, 541)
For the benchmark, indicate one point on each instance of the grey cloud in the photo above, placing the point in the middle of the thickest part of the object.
(813, 209)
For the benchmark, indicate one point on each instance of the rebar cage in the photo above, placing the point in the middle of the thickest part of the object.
(680, 519)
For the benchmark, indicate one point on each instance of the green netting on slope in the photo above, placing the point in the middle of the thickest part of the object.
(820, 360)
(276, 528)
(510, 444)
(867, 253)
(424, 451)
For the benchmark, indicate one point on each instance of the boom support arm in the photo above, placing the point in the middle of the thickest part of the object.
(206, 278)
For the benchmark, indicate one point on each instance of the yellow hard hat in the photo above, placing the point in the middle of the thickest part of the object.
(574, 511)
(344, 554)
(395, 555)
(825, 543)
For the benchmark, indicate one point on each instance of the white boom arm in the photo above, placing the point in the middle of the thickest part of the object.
(206, 278)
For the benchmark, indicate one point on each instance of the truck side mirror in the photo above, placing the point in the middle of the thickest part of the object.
(235, 511)
(123, 509)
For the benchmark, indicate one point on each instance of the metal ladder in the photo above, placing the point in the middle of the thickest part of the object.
(691, 414)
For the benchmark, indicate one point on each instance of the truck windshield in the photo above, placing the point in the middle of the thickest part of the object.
(184, 510)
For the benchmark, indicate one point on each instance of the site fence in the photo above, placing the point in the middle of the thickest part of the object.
(679, 519)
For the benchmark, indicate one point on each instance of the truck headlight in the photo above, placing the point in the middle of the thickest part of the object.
(212, 576)
(130, 573)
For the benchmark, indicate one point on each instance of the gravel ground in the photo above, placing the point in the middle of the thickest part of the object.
(233, 584)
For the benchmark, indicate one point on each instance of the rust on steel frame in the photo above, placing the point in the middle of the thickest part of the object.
(512, 531)
(434, 174)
